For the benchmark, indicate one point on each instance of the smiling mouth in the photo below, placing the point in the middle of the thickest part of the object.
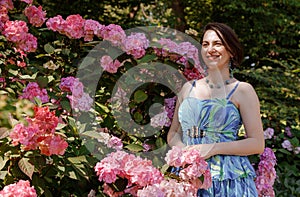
(213, 57)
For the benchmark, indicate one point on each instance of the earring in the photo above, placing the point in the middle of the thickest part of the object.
(205, 70)
(230, 68)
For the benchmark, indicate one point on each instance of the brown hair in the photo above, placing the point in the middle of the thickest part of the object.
(229, 39)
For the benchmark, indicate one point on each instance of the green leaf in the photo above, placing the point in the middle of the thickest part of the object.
(294, 141)
(4, 132)
(3, 162)
(42, 81)
(29, 77)
(134, 147)
(103, 107)
(147, 58)
(3, 174)
(26, 167)
(77, 160)
(49, 48)
(284, 151)
(138, 117)
(66, 105)
(140, 96)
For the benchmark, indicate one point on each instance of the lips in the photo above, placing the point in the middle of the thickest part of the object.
(213, 57)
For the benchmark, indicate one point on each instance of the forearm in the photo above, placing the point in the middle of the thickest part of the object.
(248, 146)
(174, 139)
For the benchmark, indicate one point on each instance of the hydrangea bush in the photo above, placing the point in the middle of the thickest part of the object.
(59, 137)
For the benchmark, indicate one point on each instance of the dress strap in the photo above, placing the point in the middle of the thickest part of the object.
(232, 91)
(193, 85)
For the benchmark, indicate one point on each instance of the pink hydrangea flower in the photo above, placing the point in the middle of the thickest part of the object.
(266, 173)
(115, 142)
(139, 172)
(160, 120)
(268, 133)
(27, 136)
(36, 15)
(57, 23)
(3, 17)
(33, 90)
(45, 118)
(113, 33)
(27, 1)
(82, 102)
(53, 145)
(91, 28)
(192, 166)
(174, 157)
(29, 44)
(170, 106)
(74, 26)
(135, 45)
(15, 31)
(168, 188)
(287, 145)
(40, 133)
(67, 83)
(109, 65)
(7, 4)
(20, 189)
(79, 99)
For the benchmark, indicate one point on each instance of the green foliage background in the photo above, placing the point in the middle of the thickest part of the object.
(269, 31)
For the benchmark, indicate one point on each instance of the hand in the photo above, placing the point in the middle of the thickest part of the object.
(205, 150)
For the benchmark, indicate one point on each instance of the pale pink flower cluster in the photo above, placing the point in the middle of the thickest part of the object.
(109, 65)
(139, 172)
(268, 133)
(136, 45)
(160, 120)
(40, 133)
(288, 145)
(184, 49)
(7, 4)
(19, 189)
(32, 90)
(114, 34)
(192, 166)
(27, 1)
(36, 16)
(78, 99)
(75, 27)
(170, 106)
(167, 188)
(3, 16)
(111, 141)
(50, 65)
(266, 174)
(17, 32)
(192, 74)
(91, 28)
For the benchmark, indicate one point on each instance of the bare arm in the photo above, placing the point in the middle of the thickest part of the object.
(249, 107)
(175, 133)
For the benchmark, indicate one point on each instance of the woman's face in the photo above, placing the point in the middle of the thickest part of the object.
(213, 51)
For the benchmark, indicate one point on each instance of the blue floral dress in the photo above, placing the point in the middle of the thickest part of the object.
(218, 120)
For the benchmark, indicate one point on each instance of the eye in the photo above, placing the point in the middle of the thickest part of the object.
(204, 44)
(219, 44)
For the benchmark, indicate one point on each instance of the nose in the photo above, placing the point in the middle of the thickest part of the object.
(211, 49)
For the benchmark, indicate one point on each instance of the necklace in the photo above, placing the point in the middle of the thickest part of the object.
(218, 86)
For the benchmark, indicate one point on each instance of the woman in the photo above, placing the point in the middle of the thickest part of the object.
(210, 112)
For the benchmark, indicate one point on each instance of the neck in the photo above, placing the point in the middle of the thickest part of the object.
(218, 78)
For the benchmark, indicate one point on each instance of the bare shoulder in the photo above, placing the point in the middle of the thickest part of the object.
(245, 93)
(245, 88)
(184, 92)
